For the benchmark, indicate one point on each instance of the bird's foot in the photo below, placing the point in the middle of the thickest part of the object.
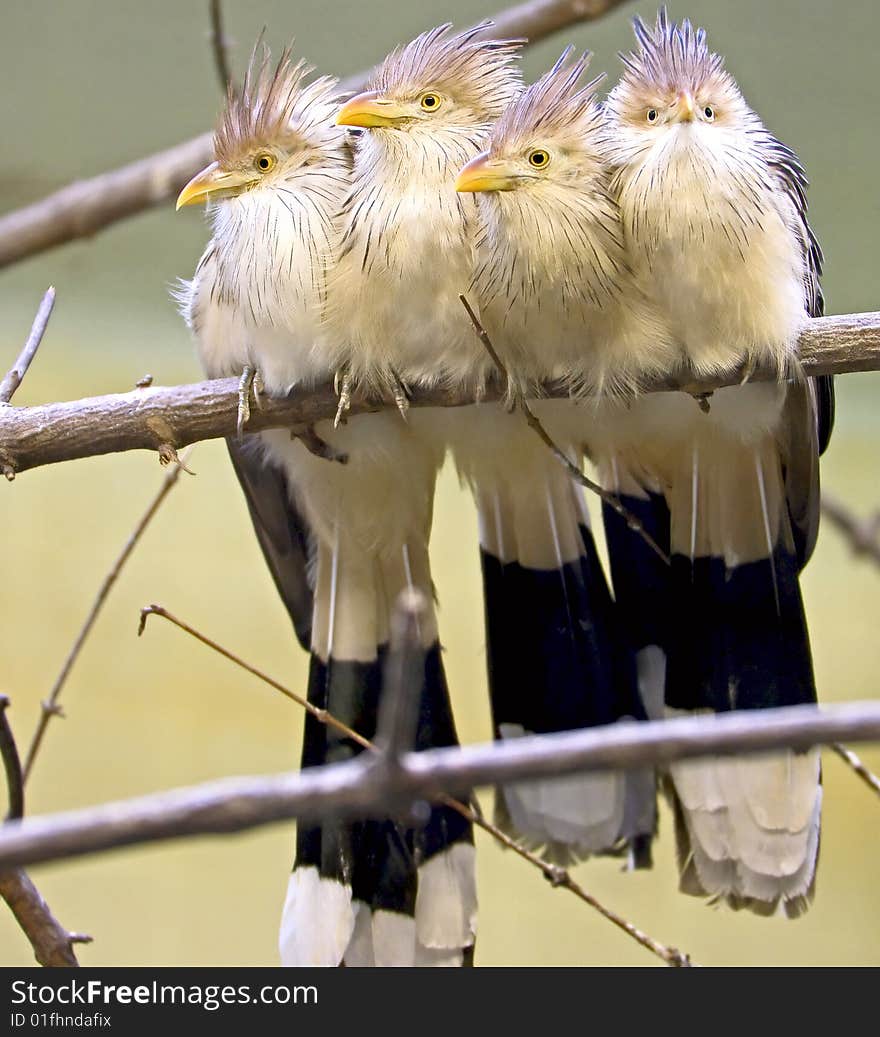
(310, 439)
(702, 399)
(514, 394)
(748, 370)
(342, 388)
(251, 380)
(401, 396)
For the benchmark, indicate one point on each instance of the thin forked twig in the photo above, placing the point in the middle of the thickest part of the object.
(558, 877)
(16, 373)
(51, 942)
(863, 535)
(220, 47)
(50, 707)
(534, 422)
(853, 761)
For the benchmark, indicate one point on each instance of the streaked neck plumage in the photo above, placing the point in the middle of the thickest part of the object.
(407, 253)
(274, 245)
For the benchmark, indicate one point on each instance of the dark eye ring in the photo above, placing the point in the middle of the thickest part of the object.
(538, 158)
(709, 112)
(652, 115)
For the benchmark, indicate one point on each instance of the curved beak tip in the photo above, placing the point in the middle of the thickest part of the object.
(368, 111)
(480, 175)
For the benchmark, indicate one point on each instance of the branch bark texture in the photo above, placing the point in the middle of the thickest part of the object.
(163, 418)
(360, 788)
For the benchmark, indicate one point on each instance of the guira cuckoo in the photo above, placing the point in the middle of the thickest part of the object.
(556, 296)
(715, 218)
(336, 535)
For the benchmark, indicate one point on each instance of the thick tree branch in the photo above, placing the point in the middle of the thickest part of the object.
(169, 418)
(83, 208)
(361, 789)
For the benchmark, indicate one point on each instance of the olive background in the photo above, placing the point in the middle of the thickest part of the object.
(88, 85)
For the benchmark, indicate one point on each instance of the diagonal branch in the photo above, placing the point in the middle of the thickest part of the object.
(50, 707)
(863, 535)
(220, 46)
(574, 470)
(382, 769)
(154, 417)
(19, 369)
(85, 207)
(859, 769)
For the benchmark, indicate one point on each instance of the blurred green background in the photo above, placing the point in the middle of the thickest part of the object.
(88, 85)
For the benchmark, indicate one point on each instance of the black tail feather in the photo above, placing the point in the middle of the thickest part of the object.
(377, 858)
(739, 638)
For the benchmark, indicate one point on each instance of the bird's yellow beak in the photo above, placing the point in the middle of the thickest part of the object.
(371, 111)
(211, 180)
(485, 174)
(685, 106)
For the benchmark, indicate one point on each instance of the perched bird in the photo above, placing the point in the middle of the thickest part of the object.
(374, 892)
(715, 220)
(556, 297)
(394, 312)
(409, 251)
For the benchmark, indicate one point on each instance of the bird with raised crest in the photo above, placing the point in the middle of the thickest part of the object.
(395, 320)
(409, 252)
(336, 535)
(715, 220)
(555, 295)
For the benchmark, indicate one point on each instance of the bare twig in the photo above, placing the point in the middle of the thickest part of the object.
(850, 758)
(402, 662)
(575, 471)
(350, 789)
(50, 707)
(863, 535)
(83, 208)
(398, 710)
(220, 47)
(18, 370)
(146, 418)
(11, 764)
(52, 943)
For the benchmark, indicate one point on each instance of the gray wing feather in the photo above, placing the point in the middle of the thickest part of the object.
(281, 529)
(809, 416)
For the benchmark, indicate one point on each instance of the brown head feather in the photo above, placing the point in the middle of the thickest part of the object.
(273, 107)
(557, 109)
(672, 57)
(476, 73)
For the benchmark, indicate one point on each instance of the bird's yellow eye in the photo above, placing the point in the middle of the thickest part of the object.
(430, 102)
(539, 158)
(709, 112)
(652, 115)
(264, 162)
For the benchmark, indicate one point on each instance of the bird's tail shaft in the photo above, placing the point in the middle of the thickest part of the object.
(555, 656)
(748, 827)
(375, 892)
